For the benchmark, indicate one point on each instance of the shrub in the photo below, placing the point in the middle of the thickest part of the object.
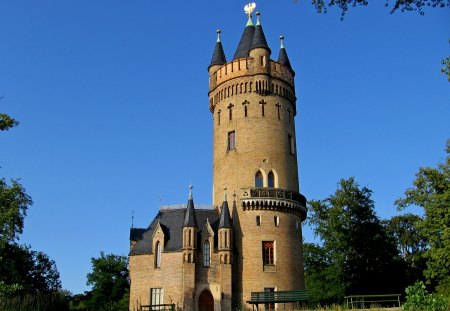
(418, 299)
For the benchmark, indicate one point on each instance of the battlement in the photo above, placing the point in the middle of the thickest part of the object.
(242, 67)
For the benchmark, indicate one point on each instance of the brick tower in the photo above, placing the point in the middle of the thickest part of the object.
(253, 104)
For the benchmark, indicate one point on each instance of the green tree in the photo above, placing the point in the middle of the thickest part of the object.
(431, 191)
(395, 5)
(323, 278)
(6, 122)
(359, 249)
(14, 203)
(109, 282)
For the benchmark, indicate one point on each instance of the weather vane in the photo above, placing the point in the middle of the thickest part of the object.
(249, 8)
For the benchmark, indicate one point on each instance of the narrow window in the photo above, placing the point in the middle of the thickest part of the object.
(158, 255)
(226, 239)
(190, 244)
(291, 144)
(261, 60)
(258, 220)
(268, 252)
(258, 179)
(245, 104)
(271, 180)
(276, 221)
(289, 112)
(269, 306)
(206, 254)
(278, 109)
(230, 111)
(157, 298)
(262, 103)
(231, 140)
(218, 116)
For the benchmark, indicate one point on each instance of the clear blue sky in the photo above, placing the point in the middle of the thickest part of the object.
(112, 102)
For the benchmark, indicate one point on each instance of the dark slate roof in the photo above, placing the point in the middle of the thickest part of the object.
(225, 221)
(246, 41)
(218, 57)
(172, 223)
(189, 218)
(259, 39)
(283, 59)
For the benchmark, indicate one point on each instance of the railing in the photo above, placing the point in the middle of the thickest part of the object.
(366, 301)
(162, 307)
(274, 198)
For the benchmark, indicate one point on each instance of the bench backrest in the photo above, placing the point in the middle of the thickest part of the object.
(280, 296)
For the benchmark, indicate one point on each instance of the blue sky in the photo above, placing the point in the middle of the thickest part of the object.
(112, 102)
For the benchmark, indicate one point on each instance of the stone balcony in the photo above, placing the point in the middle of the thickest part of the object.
(276, 199)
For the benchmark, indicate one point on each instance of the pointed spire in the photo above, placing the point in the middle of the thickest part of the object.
(225, 221)
(259, 39)
(283, 58)
(189, 218)
(218, 57)
(246, 40)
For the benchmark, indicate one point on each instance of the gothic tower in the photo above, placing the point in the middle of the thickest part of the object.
(253, 103)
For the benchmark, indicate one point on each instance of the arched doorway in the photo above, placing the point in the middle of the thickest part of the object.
(205, 301)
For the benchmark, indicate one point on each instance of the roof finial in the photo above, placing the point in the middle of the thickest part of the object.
(258, 22)
(132, 219)
(218, 35)
(234, 196)
(282, 42)
(190, 191)
(249, 8)
(224, 194)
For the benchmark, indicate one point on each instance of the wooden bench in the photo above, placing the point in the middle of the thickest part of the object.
(365, 301)
(292, 296)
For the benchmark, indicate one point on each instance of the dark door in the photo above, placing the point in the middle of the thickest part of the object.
(206, 301)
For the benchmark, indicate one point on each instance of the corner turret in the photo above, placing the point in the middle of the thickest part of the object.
(218, 58)
(189, 231)
(283, 58)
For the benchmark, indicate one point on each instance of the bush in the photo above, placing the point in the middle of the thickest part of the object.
(418, 299)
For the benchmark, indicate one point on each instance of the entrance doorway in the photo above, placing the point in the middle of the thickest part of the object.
(206, 301)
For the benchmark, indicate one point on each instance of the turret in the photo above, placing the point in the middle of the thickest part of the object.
(225, 237)
(189, 231)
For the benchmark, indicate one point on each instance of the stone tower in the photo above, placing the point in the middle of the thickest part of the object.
(253, 103)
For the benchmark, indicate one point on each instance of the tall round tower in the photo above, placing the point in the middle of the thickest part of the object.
(253, 103)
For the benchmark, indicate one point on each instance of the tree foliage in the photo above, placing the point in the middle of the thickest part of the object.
(431, 191)
(14, 203)
(395, 5)
(109, 282)
(6, 122)
(356, 253)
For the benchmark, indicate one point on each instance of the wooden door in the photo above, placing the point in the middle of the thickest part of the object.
(206, 301)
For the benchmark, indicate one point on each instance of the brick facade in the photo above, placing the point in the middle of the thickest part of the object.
(253, 105)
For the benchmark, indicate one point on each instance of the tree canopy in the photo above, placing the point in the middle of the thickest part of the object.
(109, 283)
(431, 191)
(355, 254)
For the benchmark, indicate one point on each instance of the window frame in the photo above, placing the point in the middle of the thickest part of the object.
(156, 297)
(268, 253)
(206, 254)
(158, 253)
(231, 140)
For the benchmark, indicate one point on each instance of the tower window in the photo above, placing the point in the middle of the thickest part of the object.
(206, 254)
(271, 180)
(291, 144)
(245, 104)
(262, 103)
(158, 255)
(276, 221)
(258, 220)
(258, 179)
(268, 252)
(278, 110)
(231, 140)
(218, 116)
(230, 111)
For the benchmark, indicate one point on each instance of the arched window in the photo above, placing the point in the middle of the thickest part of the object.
(258, 179)
(206, 254)
(158, 255)
(271, 180)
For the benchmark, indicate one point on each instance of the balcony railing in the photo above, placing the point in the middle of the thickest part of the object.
(274, 199)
